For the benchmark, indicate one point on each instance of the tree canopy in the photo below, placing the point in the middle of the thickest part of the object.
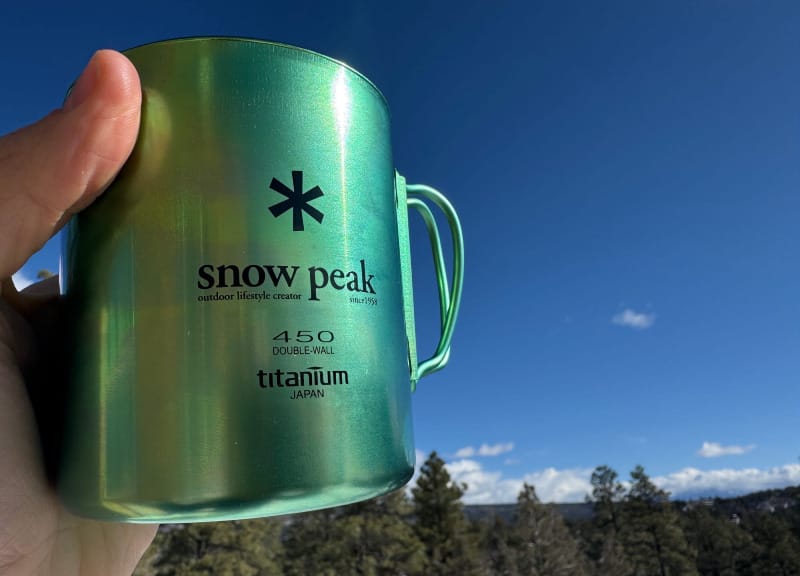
(635, 530)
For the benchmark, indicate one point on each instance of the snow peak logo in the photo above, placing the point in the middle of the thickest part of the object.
(296, 200)
(255, 275)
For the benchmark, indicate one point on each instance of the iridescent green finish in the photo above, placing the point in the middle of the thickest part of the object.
(237, 295)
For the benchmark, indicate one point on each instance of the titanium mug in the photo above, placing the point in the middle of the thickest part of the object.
(241, 296)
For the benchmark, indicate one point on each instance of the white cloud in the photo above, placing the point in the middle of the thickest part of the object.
(691, 481)
(420, 458)
(633, 319)
(21, 280)
(553, 485)
(714, 450)
(483, 487)
(485, 450)
(572, 485)
(490, 487)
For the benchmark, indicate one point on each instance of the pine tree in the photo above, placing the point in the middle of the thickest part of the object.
(383, 539)
(723, 548)
(499, 557)
(440, 522)
(653, 537)
(605, 548)
(311, 541)
(607, 495)
(372, 538)
(612, 559)
(778, 551)
(236, 548)
(544, 544)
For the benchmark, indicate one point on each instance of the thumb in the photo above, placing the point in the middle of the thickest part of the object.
(58, 166)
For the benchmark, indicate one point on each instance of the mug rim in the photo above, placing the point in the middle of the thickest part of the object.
(259, 41)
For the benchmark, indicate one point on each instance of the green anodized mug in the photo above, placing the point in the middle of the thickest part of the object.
(241, 297)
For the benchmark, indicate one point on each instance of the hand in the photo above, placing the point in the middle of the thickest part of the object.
(48, 172)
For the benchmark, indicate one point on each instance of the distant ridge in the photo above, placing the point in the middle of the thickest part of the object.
(572, 512)
(764, 500)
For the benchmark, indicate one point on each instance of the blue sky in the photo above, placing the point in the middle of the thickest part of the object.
(627, 177)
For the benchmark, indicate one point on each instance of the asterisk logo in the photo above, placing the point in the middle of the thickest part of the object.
(296, 200)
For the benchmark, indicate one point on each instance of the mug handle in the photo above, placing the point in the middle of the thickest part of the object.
(412, 196)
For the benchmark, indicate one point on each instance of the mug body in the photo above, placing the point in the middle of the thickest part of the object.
(235, 296)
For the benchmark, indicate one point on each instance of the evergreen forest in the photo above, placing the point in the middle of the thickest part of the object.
(633, 528)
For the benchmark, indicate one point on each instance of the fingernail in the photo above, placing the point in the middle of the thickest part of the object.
(81, 88)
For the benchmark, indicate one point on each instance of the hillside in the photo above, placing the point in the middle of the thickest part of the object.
(764, 501)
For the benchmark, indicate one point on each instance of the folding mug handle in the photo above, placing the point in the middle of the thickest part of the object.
(412, 196)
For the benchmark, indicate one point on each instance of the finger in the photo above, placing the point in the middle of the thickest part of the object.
(56, 167)
(44, 289)
(33, 297)
(16, 335)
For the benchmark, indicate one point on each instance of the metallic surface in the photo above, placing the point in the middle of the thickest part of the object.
(241, 343)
